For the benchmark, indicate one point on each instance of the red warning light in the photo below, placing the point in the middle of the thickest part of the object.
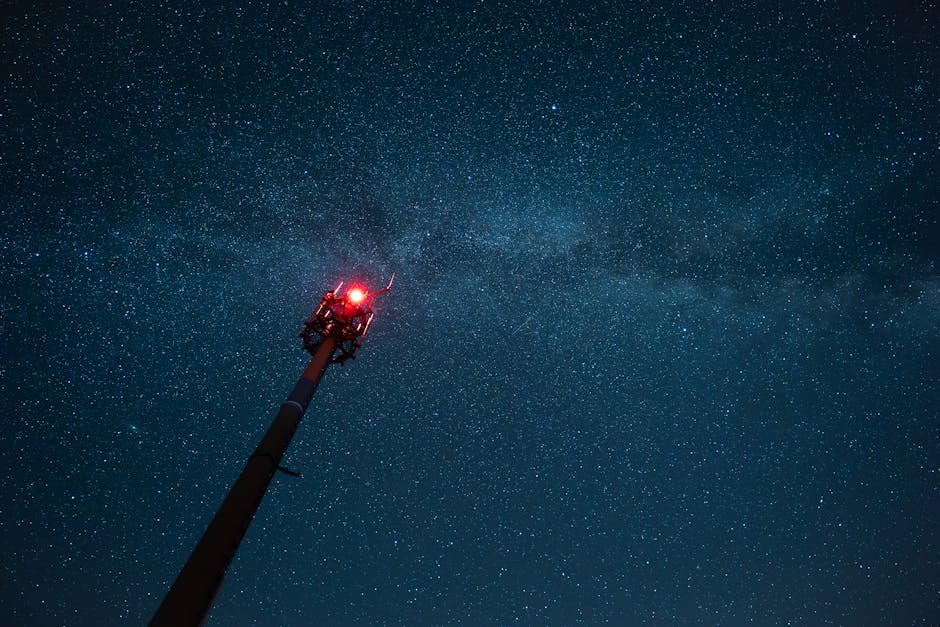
(355, 295)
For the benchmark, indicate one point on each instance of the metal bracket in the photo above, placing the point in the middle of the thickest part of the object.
(288, 471)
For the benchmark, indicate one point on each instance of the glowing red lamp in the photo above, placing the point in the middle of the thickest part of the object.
(355, 295)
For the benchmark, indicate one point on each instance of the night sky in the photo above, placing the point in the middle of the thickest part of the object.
(662, 347)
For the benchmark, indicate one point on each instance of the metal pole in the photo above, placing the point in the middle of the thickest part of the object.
(191, 597)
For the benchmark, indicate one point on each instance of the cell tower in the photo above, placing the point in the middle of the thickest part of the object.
(332, 334)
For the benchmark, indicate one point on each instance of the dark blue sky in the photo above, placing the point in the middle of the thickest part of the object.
(662, 347)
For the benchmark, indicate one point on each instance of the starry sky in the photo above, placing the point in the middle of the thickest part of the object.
(662, 347)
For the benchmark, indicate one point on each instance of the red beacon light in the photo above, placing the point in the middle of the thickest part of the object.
(355, 295)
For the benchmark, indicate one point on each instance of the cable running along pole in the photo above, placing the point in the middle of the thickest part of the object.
(332, 334)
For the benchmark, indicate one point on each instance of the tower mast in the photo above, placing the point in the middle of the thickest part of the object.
(332, 334)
